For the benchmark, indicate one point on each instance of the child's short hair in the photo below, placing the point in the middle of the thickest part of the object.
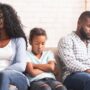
(36, 32)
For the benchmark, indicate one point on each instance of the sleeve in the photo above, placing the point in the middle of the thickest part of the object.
(29, 59)
(20, 58)
(51, 56)
(66, 53)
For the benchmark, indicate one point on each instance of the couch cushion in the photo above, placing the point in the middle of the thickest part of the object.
(60, 64)
(12, 87)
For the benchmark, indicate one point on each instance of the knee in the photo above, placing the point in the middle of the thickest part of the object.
(60, 87)
(87, 83)
(1, 75)
(45, 87)
(4, 75)
(3, 79)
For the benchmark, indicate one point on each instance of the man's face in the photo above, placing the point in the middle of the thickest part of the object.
(85, 29)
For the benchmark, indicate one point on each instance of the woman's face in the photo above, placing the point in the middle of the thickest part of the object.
(1, 20)
(38, 44)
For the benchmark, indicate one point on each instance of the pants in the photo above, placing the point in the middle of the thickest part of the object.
(46, 84)
(78, 81)
(13, 77)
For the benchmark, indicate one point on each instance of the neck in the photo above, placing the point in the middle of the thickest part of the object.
(81, 37)
(37, 55)
(3, 35)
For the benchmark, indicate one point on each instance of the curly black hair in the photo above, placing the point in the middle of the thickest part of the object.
(12, 23)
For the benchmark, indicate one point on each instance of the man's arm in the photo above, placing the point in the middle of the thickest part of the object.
(66, 53)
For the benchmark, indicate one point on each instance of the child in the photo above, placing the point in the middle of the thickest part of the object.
(41, 67)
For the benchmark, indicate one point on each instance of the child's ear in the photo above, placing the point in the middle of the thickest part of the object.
(79, 25)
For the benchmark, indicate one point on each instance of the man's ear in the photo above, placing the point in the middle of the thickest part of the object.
(30, 42)
(79, 25)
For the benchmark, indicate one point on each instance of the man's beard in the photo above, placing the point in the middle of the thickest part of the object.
(84, 35)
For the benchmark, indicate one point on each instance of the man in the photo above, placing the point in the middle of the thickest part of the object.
(74, 50)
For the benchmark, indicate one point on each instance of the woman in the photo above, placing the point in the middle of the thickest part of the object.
(41, 67)
(12, 49)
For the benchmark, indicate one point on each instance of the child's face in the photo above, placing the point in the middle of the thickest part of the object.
(38, 44)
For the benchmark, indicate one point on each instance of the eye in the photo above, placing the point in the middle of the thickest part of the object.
(88, 26)
(43, 43)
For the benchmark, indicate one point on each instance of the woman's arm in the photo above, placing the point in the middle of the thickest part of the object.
(19, 61)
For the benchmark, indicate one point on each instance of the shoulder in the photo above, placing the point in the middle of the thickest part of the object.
(67, 39)
(20, 39)
(19, 42)
(48, 53)
(29, 56)
(29, 53)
